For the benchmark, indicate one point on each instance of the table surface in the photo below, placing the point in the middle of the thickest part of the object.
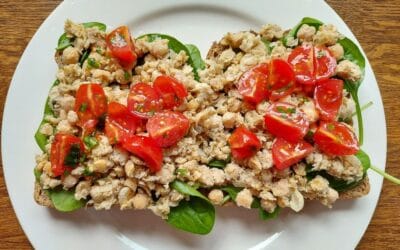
(376, 24)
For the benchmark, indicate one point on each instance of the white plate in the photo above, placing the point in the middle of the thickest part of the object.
(200, 23)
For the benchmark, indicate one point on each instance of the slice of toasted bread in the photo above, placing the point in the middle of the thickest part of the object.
(41, 197)
(360, 190)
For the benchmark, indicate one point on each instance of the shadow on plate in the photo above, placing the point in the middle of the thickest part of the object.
(131, 226)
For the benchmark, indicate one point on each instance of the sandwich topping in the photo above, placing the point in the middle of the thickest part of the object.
(265, 122)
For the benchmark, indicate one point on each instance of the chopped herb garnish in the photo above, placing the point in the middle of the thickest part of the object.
(87, 172)
(83, 107)
(66, 173)
(127, 76)
(139, 107)
(99, 51)
(281, 109)
(226, 199)
(90, 141)
(216, 163)
(74, 155)
(93, 63)
(330, 127)
(83, 158)
(309, 136)
(83, 57)
(182, 171)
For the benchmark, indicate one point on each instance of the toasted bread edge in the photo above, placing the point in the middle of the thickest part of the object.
(41, 197)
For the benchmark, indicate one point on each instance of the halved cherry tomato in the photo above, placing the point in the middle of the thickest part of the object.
(146, 149)
(328, 98)
(302, 60)
(312, 64)
(243, 143)
(285, 154)
(120, 123)
(167, 127)
(336, 138)
(120, 43)
(281, 79)
(252, 85)
(144, 101)
(65, 153)
(172, 92)
(90, 105)
(308, 90)
(286, 121)
(324, 64)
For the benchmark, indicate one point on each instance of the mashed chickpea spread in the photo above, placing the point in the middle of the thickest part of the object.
(264, 122)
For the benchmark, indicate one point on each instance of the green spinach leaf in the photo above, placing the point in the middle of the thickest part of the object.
(186, 189)
(37, 174)
(177, 46)
(264, 215)
(293, 32)
(100, 26)
(366, 163)
(195, 215)
(90, 141)
(267, 45)
(83, 57)
(364, 159)
(339, 184)
(353, 53)
(335, 183)
(232, 191)
(194, 53)
(65, 41)
(40, 138)
(64, 200)
(217, 163)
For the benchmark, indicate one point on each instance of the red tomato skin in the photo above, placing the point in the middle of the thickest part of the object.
(120, 123)
(167, 127)
(90, 106)
(336, 138)
(60, 148)
(146, 149)
(144, 101)
(119, 42)
(281, 79)
(292, 127)
(243, 143)
(328, 98)
(171, 91)
(252, 85)
(308, 90)
(285, 154)
(302, 60)
(324, 64)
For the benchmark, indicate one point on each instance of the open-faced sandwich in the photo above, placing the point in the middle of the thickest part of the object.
(265, 122)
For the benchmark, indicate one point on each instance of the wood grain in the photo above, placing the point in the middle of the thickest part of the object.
(376, 24)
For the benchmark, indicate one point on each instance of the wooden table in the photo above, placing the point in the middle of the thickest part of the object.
(376, 24)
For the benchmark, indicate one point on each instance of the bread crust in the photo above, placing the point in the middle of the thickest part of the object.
(360, 190)
(41, 197)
